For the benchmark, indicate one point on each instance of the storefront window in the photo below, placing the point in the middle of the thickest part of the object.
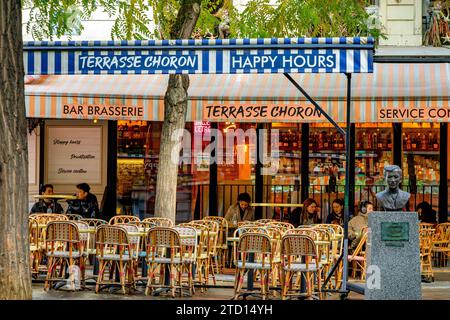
(421, 156)
(137, 167)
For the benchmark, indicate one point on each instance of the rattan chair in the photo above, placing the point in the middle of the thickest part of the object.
(73, 217)
(222, 246)
(257, 245)
(164, 249)
(189, 243)
(299, 257)
(160, 222)
(34, 239)
(358, 258)
(114, 250)
(441, 245)
(123, 219)
(64, 250)
(426, 244)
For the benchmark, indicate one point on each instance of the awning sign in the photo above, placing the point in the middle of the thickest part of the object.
(102, 111)
(204, 56)
(440, 114)
(261, 112)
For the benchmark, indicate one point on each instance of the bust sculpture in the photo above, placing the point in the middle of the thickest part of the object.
(393, 198)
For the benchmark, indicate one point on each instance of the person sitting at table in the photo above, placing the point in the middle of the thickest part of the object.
(357, 223)
(308, 214)
(241, 210)
(86, 203)
(336, 215)
(426, 213)
(46, 205)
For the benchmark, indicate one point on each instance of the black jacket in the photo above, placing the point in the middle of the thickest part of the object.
(87, 208)
(43, 207)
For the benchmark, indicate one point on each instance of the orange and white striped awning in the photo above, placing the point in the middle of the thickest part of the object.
(389, 86)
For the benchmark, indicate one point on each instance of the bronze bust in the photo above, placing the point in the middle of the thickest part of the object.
(393, 198)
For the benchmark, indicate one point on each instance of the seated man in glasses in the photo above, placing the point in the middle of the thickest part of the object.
(46, 205)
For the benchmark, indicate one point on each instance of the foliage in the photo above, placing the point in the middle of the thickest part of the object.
(260, 18)
(304, 18)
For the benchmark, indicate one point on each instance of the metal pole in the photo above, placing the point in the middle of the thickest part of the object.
(347, 186)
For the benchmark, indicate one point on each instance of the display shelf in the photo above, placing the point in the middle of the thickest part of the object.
(418, 152)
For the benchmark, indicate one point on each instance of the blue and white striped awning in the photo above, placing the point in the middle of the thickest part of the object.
(218, 56)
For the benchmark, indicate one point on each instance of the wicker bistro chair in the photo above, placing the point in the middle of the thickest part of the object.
(164, 249)
(160, 222)
(426, 244)
(299, 257)
(34, 239)
(93, 224)
(123, 219)
(114, 250)
(65, 250)
(244, 229)
(73, 217)
(222, 246)
(358, 257)
(258, 245)
(441, 245)
(276, 234)
(189, 243)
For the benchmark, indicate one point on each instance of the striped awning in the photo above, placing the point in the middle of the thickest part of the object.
(389, 86)
(202, 56)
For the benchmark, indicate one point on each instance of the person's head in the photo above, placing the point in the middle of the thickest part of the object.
(47, 189)
(365, 207)
(244, 200)
(423, 207)
(309, 206)
(83, 190)
(337, 206)
(393, 176)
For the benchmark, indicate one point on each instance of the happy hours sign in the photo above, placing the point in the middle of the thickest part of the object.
(74, 154)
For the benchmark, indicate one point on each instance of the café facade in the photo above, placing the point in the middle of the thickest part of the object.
(100, 122)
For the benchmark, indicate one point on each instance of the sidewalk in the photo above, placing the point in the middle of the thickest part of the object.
(438, 290)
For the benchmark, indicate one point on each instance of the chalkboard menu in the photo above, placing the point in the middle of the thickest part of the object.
(73, 154)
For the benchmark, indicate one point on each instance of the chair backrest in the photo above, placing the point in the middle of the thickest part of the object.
(426, 240)
(252, 242)
(310, 232)
(424, 225)
(34, 234)
(123, 219)
(44, 218)
(62, 236)
(112, 239)
(188, 238)
(266, 220)
(134, 238)
(223, 229)
(442, 232)
(249, 228)
(298, 245)
(111, 235)
(160, 222)
(163, 237)
(285, 225)
(72, 216)
(94, 222)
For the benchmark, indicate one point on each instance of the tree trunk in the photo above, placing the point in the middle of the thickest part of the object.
(175, 106)
(15, 275)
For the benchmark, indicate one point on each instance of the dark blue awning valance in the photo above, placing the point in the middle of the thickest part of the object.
(227, 56)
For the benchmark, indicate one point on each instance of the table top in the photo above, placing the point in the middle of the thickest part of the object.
(56, 196)
(276, 205)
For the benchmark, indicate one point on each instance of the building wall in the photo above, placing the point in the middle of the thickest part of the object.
(403, 22)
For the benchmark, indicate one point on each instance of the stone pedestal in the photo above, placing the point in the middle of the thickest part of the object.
(393, 257)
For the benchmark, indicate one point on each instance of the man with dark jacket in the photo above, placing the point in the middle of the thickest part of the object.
(86, 205)
(46, 205)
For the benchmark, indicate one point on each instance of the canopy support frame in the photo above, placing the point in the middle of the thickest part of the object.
(346, 133)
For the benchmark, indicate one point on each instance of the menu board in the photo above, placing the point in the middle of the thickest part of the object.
(32, 158)
(74, 154)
